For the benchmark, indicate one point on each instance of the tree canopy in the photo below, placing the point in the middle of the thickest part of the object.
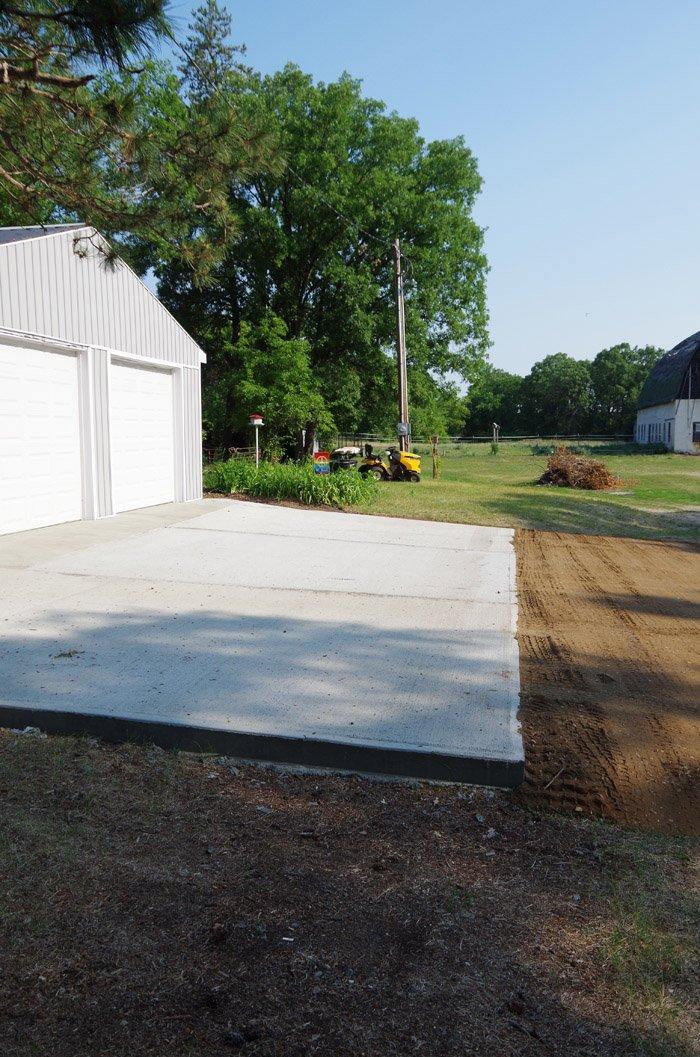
(617, 376)
(562, 395)
(92, 130)
(314, 249)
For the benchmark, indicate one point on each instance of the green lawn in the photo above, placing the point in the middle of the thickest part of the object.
(660, 500)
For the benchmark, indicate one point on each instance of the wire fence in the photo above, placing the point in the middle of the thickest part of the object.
(358, 439)
(222, 454)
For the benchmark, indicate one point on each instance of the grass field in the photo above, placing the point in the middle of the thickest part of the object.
(659, 498)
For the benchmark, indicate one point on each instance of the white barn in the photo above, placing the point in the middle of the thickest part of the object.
(669, 403)
(100, 387)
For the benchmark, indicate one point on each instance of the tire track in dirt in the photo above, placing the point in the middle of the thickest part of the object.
(610, 684)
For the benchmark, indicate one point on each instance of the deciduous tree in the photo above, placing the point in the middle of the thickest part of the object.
(617, 376)
(274, 377)
(315, 249)
(557, 395)
(494, 396)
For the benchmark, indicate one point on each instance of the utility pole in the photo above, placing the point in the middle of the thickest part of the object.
(401, 349)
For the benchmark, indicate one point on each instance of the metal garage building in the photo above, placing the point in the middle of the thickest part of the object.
(100, 387)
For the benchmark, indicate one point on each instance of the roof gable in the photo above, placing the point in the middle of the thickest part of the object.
(665, 379)
(39, 231)
(67, 287)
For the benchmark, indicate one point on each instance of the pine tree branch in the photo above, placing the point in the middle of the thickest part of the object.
(33, 75)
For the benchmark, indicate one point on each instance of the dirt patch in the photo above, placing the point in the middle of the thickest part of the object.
(609, 676)
(157, 904)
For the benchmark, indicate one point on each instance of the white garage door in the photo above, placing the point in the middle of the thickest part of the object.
(142, 436)
(40, 473)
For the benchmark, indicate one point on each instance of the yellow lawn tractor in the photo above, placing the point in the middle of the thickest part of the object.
(398, 466)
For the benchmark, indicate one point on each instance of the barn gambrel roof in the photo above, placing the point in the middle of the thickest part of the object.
(665, 379)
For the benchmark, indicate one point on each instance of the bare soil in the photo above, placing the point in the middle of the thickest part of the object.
(610, 677)
(156, 904)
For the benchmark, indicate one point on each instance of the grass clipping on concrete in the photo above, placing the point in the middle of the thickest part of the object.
(566, 469)
(290, 481)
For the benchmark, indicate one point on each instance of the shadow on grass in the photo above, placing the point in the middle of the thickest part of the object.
(559, 510)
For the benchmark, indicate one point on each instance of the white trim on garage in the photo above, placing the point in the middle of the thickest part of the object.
(22, 337)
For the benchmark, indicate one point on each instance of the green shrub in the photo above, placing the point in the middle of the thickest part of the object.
(289, 480)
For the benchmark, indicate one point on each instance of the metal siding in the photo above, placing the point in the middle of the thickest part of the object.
(5, 300)
(192, 434)
(102, 446)
(195, 450)
(198, 435)
(22, 285)
(53, 284)
(186, 434)
(36, 296)
(46, 288)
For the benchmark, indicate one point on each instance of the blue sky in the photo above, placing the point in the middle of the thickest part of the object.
(585, 119)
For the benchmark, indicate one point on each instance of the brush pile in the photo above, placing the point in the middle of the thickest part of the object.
(566, 469)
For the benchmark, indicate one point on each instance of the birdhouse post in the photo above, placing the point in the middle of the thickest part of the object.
(257, 421)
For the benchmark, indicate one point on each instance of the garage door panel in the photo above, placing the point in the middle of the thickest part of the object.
(142, 426)
(40, 469)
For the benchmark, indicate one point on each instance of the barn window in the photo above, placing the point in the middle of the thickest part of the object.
(696, 432)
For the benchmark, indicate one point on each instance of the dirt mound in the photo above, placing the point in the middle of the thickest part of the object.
(610, 686)
(566, 469)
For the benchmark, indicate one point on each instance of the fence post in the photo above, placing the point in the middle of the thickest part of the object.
(435, 454)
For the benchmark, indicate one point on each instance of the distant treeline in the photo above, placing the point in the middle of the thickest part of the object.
(560, 395)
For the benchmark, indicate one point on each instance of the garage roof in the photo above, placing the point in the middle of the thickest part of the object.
(37, 232)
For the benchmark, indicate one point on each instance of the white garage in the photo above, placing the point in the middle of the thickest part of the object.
(100, 405)
(142, 426)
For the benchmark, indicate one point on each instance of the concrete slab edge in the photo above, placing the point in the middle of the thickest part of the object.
(309, 752)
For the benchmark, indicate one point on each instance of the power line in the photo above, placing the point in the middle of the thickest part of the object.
(341, 216)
